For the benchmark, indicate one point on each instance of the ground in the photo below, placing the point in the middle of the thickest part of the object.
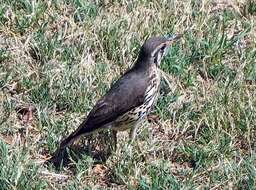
(57, 58)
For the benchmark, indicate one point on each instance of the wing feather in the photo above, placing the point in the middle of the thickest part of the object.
(127, 93)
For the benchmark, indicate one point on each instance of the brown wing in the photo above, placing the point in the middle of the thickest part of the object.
(127, 93)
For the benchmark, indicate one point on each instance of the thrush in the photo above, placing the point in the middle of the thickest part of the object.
(129, 99)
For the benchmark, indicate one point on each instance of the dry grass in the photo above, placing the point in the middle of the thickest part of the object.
(58, 57)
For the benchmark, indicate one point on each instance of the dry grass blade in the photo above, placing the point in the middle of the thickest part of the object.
(57, 58)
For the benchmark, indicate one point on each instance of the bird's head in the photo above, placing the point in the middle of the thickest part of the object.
(154, 49)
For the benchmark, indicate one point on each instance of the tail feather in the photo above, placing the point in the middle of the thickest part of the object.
(83, 129)
(60, 155)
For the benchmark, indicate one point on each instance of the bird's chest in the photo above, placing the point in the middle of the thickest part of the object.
(138, 113)
(150, 98)
(152, 90)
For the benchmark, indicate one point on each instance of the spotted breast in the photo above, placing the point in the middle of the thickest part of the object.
(134, 116)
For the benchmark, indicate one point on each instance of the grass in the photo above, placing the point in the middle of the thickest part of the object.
(58, 57)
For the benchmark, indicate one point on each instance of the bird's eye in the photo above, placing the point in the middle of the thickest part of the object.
(163, 48)
(158, 55)
(155, 60)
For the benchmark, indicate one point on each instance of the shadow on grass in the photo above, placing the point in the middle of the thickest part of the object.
(99, 147)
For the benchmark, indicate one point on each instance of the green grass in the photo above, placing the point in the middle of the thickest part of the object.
(60, 57)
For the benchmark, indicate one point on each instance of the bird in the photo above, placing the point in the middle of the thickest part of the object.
(130, 98)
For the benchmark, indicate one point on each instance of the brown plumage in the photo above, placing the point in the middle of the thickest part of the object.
(129, 100)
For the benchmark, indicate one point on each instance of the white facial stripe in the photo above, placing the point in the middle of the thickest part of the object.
(165, 51)
(157, 49)
(159, 53)
(159, 57)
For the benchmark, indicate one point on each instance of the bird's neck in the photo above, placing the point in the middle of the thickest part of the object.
(144, 63)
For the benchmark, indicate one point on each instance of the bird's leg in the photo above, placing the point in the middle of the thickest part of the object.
(132, 138)
(133, 131)
(115, 139)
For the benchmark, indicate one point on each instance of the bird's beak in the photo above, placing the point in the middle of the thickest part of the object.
(173, 38)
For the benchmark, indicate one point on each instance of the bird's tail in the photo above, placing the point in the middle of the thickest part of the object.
(61, 153)
(83, 129)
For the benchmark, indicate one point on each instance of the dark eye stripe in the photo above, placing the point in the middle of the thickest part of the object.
(155, 59)
(161, 50)
(163, 47)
